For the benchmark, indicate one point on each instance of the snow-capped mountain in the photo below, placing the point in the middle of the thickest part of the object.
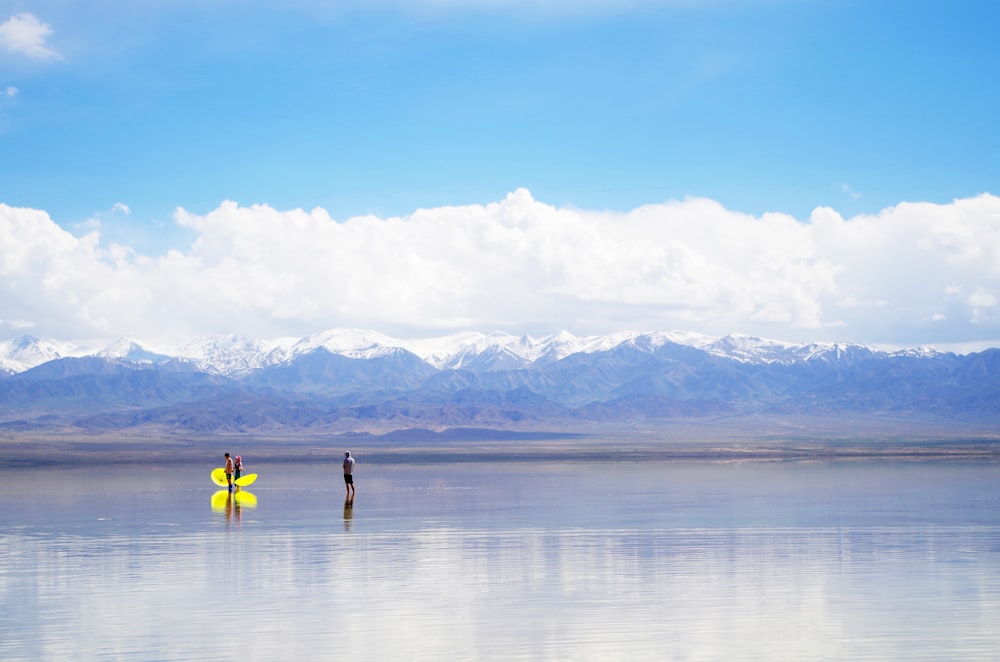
(26, 352)
(231, 354)
(346, 342)
(473, 351)
(350, 380)
(132, 350)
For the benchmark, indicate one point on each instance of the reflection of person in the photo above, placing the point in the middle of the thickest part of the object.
(238, 466)
(229, 470)
(349, 475)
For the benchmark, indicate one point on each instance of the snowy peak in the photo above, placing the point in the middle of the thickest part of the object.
(468, 351)
(346, 342)
(25, 352)
(482, 353)
(748, 349)
(837, 352)
(132, 350)
(232, 354)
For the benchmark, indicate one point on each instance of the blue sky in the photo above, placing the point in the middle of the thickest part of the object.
(114, 115)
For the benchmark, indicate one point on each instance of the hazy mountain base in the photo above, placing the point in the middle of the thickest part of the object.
(738, 438)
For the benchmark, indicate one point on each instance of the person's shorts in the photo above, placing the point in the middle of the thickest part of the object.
(348, 479)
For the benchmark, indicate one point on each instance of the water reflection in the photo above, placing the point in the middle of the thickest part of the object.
(232, 503)
(348, 513)
(509, 561)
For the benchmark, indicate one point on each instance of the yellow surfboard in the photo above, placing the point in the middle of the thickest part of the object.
(219, 477)
(243, 481)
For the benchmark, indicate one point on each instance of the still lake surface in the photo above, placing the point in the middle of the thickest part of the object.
(487, 559)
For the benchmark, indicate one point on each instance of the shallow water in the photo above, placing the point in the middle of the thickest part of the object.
(505, 560)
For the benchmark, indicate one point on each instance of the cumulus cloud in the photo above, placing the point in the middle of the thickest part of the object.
(24, 33)
(914, 273)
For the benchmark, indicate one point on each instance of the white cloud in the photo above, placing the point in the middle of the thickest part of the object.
(23, 33)
(10, 92)
(848, 191)
(521, 265)
(979, 301)
(16, 324)
(121, 207)
(982, 299)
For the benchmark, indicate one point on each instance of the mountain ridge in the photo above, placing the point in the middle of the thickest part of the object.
(344, 380)
(231, 353)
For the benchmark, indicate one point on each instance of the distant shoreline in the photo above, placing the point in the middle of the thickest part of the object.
(499, 447)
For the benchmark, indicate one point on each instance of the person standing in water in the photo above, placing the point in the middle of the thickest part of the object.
(349, 475)
(229, 471)
(238, 466)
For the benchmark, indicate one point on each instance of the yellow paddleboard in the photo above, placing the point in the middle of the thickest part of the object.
(243, 481)
(219, 477)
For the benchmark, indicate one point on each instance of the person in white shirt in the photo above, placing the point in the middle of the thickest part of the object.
(349, 475)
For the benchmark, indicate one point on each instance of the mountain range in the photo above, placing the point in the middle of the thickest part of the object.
(345, 380)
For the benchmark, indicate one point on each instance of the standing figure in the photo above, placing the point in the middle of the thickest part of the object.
(238, 465)
(349, 475)
(229, 471)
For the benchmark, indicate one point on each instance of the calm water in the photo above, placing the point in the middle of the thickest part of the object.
(504, 560)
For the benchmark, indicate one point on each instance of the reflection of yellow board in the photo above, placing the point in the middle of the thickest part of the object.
(224, 498)
(220, 499)
(245, 499)
(219, 478)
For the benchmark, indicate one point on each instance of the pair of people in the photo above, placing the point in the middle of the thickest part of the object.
(233, 466)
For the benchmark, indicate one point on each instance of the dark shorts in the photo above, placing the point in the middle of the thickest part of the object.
(348, 479)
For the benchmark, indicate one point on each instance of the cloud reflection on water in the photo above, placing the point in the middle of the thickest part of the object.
(426, 568)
